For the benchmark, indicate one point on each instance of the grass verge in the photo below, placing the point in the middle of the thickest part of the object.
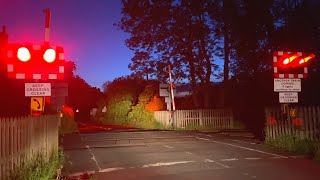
(38, 168)
(295, 144)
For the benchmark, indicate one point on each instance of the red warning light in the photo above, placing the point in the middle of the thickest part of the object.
(23, 54)
(291, 64)
(50, 55)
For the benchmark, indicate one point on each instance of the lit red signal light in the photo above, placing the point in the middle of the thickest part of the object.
(50, 55)
(294, 60)
(23, 54)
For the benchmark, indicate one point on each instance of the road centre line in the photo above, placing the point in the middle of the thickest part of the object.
(212, 161)
(202, 138)
(111, 169)
(189, 152)
(167, 146)
(253, 158)
(166, 164)
(231, 159)
(241, 147)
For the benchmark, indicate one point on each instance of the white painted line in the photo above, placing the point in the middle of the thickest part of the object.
(208, 135)
(253, 158)
(81, 173)
(246, 174)
(243, 141)
(250, 149)
(93, 157)
(166, 164)
(168, 146)
(110, 169)
(208, 160)
(254, 176)
(203, 139)
(276, 157)
(188, 152)
(298, 156)
(231, 159)
(212, 161)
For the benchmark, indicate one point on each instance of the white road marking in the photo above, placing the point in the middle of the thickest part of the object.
(81, 173)
(250, 149)
(231, 159)
(110, 169)
(70, 162)
(276, 157)
(188, 152)
(203, 138)
(166, 164)
(93, 158)
(298, 156)
(253, 158)
(243, 141)
(168, 146)
(208, 160)
(212, 161)
(208, 135)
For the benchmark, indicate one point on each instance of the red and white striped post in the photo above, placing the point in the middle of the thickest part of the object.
(47, 25)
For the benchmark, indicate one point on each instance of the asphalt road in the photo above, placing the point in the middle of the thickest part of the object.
(135, 154)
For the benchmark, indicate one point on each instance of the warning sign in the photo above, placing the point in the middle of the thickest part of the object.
(288, 97)
(37, 89)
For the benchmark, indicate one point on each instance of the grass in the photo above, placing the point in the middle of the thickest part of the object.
(38, 168)
(295, 144)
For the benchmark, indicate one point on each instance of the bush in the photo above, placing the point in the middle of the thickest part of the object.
(68, 124)
(39, 168)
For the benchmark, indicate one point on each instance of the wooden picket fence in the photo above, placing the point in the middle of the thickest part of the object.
(22, 139)
(305, 124)
(203, 118)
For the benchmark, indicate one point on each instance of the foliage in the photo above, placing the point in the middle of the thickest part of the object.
(295, 144)
(131, 101)
(39, 168)
(142, 115)
(176, 33)
(68, 124)
(121, 94)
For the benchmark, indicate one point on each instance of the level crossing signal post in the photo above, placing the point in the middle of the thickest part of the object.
(40, 64)
(289, 70)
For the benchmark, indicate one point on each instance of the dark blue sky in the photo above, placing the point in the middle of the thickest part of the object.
(83, 27)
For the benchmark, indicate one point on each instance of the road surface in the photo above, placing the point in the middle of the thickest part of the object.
(139, 154)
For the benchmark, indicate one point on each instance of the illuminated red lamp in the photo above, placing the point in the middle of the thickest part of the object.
(291, 64)
(49, 55)
(23, 54)
(41, 62)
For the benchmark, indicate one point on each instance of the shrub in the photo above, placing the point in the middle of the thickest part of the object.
(68, 124)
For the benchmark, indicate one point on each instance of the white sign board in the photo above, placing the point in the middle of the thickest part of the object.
(37, 89)
(288, 97)
(287, 85)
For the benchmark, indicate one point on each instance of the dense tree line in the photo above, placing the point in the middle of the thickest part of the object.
(193, 35)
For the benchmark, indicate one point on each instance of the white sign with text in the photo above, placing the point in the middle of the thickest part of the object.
(288, 97)
(37, 89)
(287, 85)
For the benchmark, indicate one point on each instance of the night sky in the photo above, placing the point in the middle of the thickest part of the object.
(83, 27)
